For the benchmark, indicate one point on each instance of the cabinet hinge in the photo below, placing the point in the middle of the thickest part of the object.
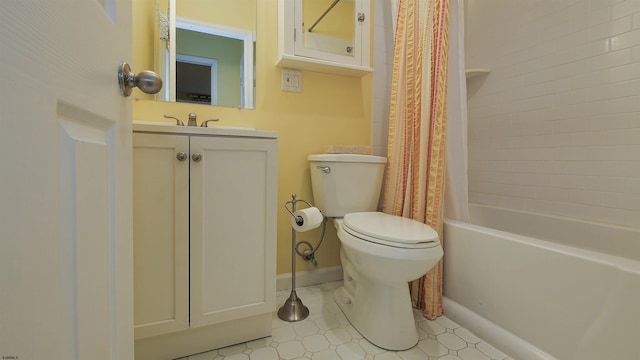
(361, 17)
(295, 32)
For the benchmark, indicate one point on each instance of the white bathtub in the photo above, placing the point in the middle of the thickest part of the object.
(544, 287)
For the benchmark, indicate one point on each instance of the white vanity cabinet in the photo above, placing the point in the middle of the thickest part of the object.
(332, 36)
(204, 238)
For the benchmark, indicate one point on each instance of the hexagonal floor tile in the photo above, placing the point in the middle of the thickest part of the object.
(327, 335)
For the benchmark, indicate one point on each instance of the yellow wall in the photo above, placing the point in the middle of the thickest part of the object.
(238, 14)
(331, 109)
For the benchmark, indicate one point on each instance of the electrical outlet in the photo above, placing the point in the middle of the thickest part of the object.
(291, 80)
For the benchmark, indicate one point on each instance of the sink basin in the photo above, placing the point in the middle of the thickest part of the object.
(220, 130)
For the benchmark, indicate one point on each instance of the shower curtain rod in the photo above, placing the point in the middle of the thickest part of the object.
(324, 14)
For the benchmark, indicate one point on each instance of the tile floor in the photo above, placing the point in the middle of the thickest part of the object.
(327, 335)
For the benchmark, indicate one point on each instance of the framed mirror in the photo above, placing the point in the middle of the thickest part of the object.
(211, 59)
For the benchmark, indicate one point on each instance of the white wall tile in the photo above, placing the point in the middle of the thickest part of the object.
(632, 218)
(555, 127)
(625, 72)
(608, 29)
(625, 40)
(593, 78)
(635, 52)
(625, 8)
(566, 209)
(598, 15)
(611, 59)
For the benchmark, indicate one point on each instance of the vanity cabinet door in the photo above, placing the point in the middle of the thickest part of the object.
(161, 234)
(233, 220)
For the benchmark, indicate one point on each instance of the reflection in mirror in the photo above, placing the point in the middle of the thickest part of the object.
(196, 80)
(328, 25)
(212, 60)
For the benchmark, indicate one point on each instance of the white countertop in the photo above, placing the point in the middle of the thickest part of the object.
(214, 130)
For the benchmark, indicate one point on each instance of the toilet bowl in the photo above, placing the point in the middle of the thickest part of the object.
(380, 253)
(377, 265)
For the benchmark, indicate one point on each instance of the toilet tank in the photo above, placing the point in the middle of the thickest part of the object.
(346, 183)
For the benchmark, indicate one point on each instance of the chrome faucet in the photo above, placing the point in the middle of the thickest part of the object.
(204, 123)
(192, 120)
(178, 121)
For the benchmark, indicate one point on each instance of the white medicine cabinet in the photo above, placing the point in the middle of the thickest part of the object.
(330, 36)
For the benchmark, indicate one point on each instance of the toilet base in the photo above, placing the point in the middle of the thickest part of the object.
(380, 313)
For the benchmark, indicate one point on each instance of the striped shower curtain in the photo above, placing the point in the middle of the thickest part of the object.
(414, 182)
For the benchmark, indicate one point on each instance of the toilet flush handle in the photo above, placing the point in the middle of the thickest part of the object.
(324, 169)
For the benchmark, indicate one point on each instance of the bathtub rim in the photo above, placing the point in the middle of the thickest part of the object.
(498, 336)
(619, 262)
(626, 237)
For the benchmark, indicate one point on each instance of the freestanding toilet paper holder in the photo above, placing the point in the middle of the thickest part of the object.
(293, 309)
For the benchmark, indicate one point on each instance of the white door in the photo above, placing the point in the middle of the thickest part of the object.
(65, 181)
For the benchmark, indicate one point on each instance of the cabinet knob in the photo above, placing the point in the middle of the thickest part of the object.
(196, 157)
(181, 156)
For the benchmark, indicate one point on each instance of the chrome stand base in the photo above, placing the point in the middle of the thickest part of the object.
(293, 309)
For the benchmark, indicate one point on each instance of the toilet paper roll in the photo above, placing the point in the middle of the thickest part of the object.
(311, 218)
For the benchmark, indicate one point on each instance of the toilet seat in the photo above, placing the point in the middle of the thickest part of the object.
(390, 230)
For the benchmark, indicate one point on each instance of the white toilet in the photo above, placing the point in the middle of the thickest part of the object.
(380, 253)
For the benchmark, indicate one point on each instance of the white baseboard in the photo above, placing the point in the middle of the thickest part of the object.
(311, 277)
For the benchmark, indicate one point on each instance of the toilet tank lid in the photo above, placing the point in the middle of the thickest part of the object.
(347, 158)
